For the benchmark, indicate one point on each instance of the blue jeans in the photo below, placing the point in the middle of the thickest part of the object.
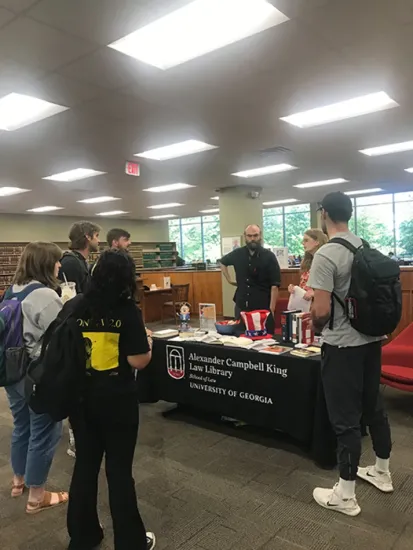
(34, 440)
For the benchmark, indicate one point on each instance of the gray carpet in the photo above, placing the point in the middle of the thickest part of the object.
(206, 488)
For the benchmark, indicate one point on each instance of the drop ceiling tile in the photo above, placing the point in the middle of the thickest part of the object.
(17, 6)
(31, 43)
(5, 16)
(14, 77)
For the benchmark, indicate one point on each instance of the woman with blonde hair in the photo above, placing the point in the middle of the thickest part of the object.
(35, 436)
(313, 240)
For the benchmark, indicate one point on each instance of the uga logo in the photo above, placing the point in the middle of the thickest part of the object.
(175, 362)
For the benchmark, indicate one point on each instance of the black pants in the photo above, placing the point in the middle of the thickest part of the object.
(98, 433)
(351, 380)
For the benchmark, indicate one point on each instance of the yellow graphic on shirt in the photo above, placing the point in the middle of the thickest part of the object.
(102, 350)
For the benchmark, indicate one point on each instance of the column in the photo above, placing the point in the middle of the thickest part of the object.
(315, 216)
(238, 207)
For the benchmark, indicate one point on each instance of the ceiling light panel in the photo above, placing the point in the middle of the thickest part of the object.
(264, 170)
(283, 201)
(170, 187)
(181, 149)
(45, 209)
(363, 191)
(214, 198)
(9, 191)
(163, 217)
(210, 211)
(96, 200)
(321, 183)
(18, 110)
(388, 149)
(167, 205)
(74, 175)
(410, 170)
(350, 108)
(112, 213)
(200, 27)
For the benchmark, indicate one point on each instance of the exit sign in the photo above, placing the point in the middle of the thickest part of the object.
(132, 168)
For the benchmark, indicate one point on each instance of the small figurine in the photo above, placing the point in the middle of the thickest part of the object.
(185, 315)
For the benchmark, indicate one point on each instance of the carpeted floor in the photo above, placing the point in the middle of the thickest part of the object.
(206, 487)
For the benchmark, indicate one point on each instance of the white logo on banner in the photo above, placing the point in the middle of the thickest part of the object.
(175, 361)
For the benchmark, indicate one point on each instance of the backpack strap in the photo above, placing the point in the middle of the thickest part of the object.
(20, 296)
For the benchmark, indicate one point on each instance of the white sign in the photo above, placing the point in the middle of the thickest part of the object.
(281, 253)
(207, 316)
(229, 244)
(167, 282)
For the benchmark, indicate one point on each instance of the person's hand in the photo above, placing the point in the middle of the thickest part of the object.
(148, 332)
(309, 295)
(291, 289)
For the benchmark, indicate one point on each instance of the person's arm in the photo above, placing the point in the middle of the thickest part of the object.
(275, 274)
(225, 262)
(52, 307)
(322, 282)
(136, 344)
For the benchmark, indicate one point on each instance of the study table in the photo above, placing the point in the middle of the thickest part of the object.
(280, 392)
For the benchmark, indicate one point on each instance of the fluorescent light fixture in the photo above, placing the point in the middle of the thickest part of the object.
(112, 213)
(321, 183)
(96, 200)
(45, 209)
(350, 108)
(162, 217)
(167, 205)
(264, 170)
(199, 27)
(18, 110)
(364, 191)
(214, 198)
(210, 211)
(410, 170)
(170, 187)
(388, 149)
(75, 175)
(283, 201)
(181, 149)
(8, 191)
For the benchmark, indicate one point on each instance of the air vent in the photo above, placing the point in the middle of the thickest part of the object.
(278, 149)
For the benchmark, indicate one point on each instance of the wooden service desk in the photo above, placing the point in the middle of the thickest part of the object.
(204, 286)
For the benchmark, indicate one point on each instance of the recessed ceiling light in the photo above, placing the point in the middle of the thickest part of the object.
(167, 205)
(18, 110)
(8, 191)
(74, 175)
(321, 183)
(410, 170)
(350, 108)
(170, 187)
(112, 213)
(99, 199)
(264, 170)
(283, 201)
(364, 191)
(388, 149)
(197, 28)
(181, 149)
(162, 216)
(45, 209)
(215, 198)
(210, 211)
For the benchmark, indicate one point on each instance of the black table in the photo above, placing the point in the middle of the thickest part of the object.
(281, 392)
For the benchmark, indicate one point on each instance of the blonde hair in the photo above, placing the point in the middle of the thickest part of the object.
(321, 238)
(37, 263)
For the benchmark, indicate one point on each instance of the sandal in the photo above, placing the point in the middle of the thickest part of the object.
(17, 490)
(45, 504)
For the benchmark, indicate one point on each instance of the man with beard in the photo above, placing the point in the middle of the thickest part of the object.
(257, 274)
(84, 239)
(119, 239)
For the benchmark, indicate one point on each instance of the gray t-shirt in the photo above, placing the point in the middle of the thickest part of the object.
(331, 271)
(39, 309)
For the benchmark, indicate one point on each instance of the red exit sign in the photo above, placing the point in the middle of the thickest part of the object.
(132, 168)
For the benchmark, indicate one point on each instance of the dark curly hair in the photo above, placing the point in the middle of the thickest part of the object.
(113, 280)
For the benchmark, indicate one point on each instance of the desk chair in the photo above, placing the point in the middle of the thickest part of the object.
(397, 361)
(180, 295)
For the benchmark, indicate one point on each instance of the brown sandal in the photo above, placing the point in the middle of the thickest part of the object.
(45, 504)
(17, 490)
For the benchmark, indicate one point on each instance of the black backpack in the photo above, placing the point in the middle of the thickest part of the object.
(374, 300)
(55, 380)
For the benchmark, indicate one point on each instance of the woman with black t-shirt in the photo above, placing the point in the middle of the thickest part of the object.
(106, 424)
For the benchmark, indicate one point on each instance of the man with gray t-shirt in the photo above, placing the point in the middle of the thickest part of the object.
(351, 365)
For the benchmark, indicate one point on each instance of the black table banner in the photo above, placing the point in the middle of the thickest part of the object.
(280, 392)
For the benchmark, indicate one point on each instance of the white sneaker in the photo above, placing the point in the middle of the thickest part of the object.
(71, 452)
(381, 480)
(331, 500)
(150, 541)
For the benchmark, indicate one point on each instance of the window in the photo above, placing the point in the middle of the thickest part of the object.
(285, 226)
(197, 239)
